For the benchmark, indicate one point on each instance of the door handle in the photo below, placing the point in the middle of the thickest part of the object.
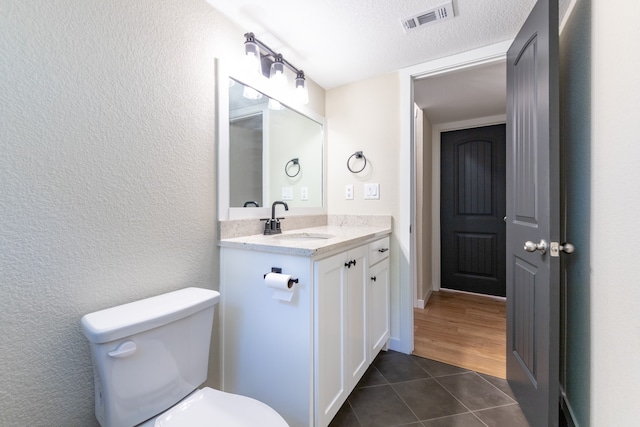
(556, 248)
(541, 247)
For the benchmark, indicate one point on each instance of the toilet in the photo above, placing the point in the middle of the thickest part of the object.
(149, 358)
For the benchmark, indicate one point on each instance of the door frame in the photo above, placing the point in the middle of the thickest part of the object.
(402, 309)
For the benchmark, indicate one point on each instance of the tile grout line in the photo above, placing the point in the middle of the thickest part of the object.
(417, 379)
(496, 387)
(445, 389)
(452, 395)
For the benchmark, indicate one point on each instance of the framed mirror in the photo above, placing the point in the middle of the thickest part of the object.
(268, 151)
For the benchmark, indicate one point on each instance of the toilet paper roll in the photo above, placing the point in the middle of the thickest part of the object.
(281, 284)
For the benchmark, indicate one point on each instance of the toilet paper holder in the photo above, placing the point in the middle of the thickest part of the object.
(279, 270)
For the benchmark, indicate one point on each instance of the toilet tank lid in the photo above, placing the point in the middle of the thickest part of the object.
(128, 319)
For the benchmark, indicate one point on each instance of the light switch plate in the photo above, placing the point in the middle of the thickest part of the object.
(287, 193)
(371, 191)
(348, 192)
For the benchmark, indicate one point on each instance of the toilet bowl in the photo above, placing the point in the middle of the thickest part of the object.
(149, 357)
(209, 407)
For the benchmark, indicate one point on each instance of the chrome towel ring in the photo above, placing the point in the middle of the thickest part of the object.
(357, 155)
(291, 163)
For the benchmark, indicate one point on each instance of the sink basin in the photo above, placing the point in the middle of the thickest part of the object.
(303, 236)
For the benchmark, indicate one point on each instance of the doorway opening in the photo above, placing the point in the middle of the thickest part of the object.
(458, 328)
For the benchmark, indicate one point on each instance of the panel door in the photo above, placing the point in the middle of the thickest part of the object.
(356, 335)
(533, 215)
(472, 210)
(330, 305)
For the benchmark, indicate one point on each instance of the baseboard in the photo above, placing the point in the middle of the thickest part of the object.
(474, 294)
(422, 303)
(396, 344)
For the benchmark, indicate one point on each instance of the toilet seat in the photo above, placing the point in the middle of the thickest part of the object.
(210, 407)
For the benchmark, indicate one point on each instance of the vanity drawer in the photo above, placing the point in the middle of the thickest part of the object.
(378, 250)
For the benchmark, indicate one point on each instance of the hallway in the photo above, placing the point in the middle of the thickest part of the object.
(461, 329)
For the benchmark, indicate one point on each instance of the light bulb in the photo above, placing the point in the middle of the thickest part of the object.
(250, 93)
(276, 74)
(302, 93)
(252, 53)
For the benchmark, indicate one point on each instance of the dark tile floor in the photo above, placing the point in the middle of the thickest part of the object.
(407, 390)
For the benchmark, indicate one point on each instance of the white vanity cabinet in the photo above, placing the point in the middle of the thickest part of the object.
(303, 357)
(340, 329)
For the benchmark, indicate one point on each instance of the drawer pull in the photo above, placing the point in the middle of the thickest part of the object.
(383, 250)
(350, 263)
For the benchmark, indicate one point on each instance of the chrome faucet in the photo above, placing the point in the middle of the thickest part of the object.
(272, 226)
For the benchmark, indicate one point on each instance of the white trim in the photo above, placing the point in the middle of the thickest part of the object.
(493, 297)
(406, 239)
(223, 72)
(422, 303)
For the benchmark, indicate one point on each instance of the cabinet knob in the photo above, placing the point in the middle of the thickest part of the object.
(373, 278)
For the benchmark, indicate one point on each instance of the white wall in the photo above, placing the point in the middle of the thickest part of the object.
(615, 230)
(364, 116)
(424, 195)
(107, 180)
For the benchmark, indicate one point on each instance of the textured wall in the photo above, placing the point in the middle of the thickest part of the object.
(615, 201)
(107, 180)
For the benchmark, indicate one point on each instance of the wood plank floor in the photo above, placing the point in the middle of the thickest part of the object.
(464, 330)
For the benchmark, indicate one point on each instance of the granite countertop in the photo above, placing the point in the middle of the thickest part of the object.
(308, 241)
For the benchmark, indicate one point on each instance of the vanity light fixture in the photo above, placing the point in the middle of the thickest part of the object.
(259, 55)
(252, 52)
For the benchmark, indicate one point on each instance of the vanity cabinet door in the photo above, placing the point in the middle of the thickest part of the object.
(378, 307)
(340, 329)
(357, 354)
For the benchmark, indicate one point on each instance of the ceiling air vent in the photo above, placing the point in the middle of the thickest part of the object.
(440, 13)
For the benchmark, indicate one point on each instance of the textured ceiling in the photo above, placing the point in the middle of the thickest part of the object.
(340, 41)
(463, 95)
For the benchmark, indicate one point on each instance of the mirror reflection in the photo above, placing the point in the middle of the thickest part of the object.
(275, 153)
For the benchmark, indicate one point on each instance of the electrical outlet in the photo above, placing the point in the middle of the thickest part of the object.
(371, 191)
(348, 192)
(304, 193)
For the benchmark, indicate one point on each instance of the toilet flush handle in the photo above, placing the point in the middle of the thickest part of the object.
(125, 349)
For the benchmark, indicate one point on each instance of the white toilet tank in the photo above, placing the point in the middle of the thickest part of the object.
(149, 354)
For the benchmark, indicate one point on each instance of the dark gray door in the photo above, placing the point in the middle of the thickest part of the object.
(533, 215)
(472, 209)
